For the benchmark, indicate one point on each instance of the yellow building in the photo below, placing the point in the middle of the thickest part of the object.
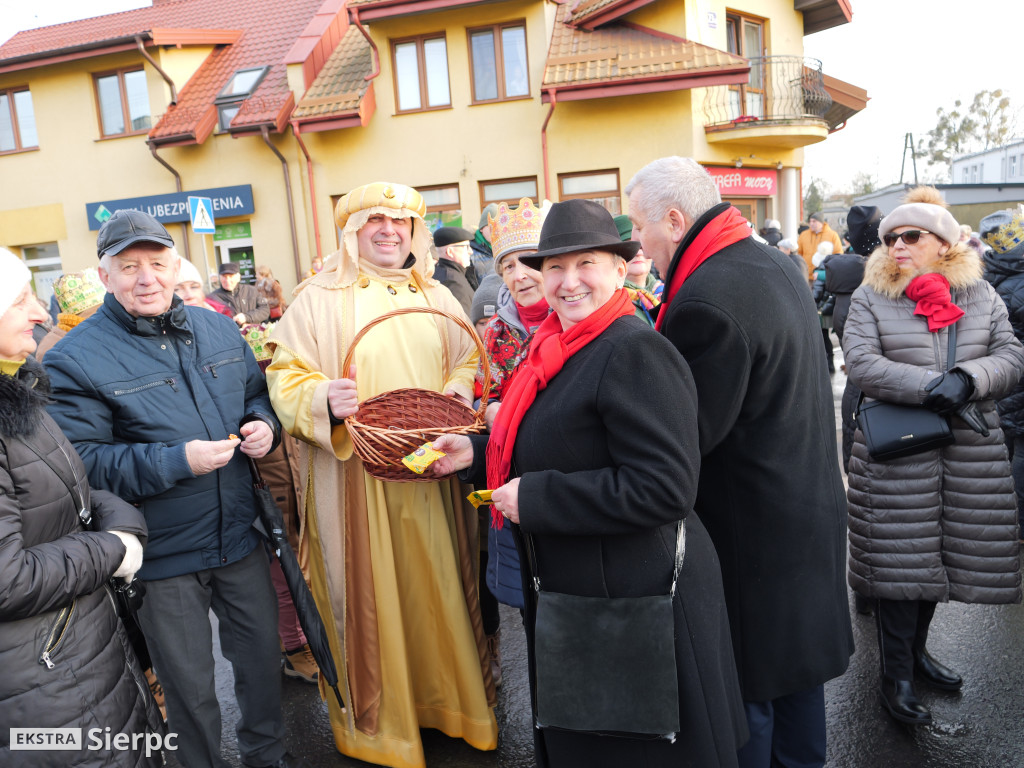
(273, 109)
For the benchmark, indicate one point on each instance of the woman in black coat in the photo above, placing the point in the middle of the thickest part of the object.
(598, 488)
(65, 659)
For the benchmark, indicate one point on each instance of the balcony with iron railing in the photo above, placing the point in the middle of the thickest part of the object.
(783, 104)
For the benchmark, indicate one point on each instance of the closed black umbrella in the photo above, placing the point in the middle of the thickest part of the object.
(305, 607)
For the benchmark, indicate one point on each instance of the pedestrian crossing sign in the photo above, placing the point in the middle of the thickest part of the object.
(201, 212)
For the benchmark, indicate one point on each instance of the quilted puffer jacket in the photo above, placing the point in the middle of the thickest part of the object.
(130, 392)
(64, 656)
(1006, 273)
(939, 525)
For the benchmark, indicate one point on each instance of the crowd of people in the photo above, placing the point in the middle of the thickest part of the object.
(659, 444)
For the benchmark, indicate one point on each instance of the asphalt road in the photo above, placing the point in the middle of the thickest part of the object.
(982, 726)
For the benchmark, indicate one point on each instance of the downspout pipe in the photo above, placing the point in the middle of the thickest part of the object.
(353, 15)
(544, 143)
(312, 187)
(177, 186)
(158, 68)
(291, 204)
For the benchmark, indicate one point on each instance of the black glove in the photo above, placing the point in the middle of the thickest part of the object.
(972, 417)
(949, 391)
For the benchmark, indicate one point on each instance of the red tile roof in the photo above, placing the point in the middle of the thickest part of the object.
(588, 13)
(341, 84)
(264, 32)
(621, 53)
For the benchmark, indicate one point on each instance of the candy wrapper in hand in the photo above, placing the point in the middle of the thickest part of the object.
(422, 458)
(477, 498)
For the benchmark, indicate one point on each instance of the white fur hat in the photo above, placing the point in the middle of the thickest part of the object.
(924, 208)
(14, 275)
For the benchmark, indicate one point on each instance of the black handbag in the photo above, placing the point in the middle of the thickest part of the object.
(893, 430)
(607, 665)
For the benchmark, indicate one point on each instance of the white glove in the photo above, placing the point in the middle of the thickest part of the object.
(132, 556)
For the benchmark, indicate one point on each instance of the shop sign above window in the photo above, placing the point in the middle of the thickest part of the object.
(745, 182)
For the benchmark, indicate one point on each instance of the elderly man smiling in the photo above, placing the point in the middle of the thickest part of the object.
(152, 393)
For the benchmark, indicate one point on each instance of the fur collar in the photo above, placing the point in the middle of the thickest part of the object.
(22, 399)
(961, 266)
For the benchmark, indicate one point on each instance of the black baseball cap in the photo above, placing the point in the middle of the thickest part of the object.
(228, 268)
(127, 227)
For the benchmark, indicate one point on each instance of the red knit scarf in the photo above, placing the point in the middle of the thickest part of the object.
(931, 292)
(533, 315)
(723, 230)
(549, 350)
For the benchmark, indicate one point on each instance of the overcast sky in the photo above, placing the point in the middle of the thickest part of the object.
(912, 56)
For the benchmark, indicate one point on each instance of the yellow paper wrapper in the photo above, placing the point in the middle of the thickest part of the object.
(422, 458)
(476, 498)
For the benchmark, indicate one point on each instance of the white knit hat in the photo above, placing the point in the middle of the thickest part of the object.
(14, 275)
(188, 273)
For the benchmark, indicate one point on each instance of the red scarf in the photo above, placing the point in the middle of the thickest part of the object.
(533, 315)
(550, 347)
(723, 230)
(931, 292)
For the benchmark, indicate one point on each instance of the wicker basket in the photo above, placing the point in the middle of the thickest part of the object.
(393, 424)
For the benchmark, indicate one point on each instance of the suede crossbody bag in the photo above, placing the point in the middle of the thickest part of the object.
(607, 664)
(894, 430)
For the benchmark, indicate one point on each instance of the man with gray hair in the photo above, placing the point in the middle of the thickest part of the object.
(770, 491)
(152, 394)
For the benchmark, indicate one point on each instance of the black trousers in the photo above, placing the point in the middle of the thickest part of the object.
(902, 631)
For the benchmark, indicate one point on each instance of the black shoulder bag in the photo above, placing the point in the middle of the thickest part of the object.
(893, 430)
(607, 664)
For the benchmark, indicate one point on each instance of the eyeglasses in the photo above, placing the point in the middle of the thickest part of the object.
(910, 237)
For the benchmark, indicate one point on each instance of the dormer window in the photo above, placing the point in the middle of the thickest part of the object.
(240, 87)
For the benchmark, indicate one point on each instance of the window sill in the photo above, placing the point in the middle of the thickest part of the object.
(114, 136)
(399, 113)
(19, 151)
(500, 101)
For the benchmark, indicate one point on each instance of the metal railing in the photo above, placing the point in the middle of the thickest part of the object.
(780, 88)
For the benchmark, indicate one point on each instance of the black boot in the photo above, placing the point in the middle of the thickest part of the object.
(899, 698)
(935, 674)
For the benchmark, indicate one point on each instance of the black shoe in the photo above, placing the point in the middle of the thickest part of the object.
(862, 604)
(831, 365)
(899, 698)
(935, 674)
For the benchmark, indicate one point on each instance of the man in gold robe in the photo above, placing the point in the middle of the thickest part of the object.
(392, 565)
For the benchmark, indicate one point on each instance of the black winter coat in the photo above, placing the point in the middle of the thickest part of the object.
(1005, 271)
(453, 277)
(245, 299)
(603, 486)
(771, 493)
(129, 393)
(53, 594)
(843, 275)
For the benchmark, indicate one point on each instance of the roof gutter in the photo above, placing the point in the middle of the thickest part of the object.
(158, 68)
(265, 133)
(177, 185)
(312, 187)
(544, 142)
(353, 14)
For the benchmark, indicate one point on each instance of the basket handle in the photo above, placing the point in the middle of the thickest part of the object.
(350, 355)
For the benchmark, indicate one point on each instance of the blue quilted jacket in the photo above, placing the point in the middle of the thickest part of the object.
(130, 392)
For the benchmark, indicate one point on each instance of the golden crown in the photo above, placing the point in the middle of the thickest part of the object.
(1008, 236)
(78, 291)
(515, 229)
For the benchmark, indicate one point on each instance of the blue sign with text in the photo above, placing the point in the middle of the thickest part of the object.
(173, 208)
